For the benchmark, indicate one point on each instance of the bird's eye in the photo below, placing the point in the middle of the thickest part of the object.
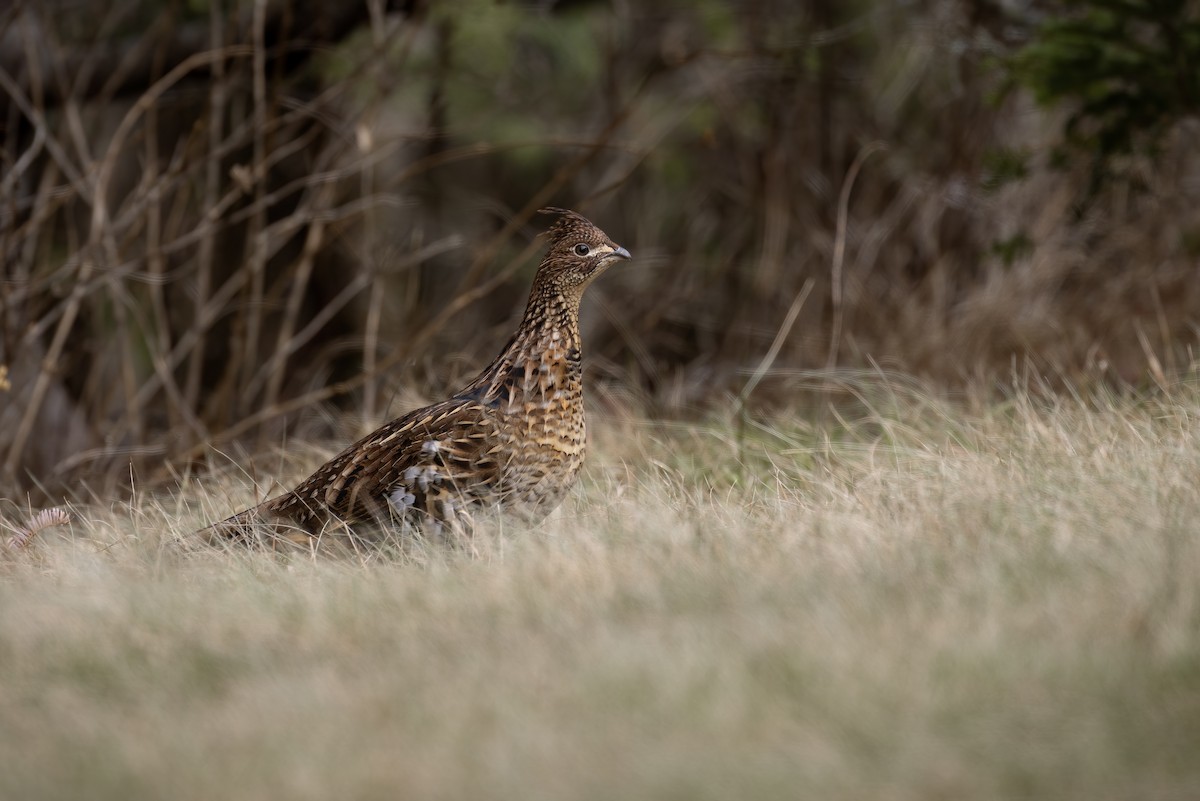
(582, 249)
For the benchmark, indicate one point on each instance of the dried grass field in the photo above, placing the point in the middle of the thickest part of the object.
(922, 599)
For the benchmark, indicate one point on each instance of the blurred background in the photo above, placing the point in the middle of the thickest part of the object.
(224, 225)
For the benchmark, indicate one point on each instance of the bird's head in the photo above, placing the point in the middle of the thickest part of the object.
(579, 251)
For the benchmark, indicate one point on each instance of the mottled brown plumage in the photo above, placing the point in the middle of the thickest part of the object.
(513, 439)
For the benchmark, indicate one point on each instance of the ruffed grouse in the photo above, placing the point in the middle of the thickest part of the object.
(513, 439)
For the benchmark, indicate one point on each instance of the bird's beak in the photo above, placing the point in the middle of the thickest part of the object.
(621, 253)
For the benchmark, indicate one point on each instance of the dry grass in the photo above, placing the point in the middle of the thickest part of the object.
(922, 602)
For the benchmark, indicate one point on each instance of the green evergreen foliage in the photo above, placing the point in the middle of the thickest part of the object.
(1130, 67)
(1003, 165)
(1012, 248)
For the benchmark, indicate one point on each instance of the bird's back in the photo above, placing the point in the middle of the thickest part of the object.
(426, 467)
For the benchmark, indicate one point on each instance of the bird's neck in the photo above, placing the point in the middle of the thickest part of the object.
(543, 360)
(551, 321)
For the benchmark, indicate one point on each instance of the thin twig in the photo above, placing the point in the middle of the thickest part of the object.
(781, 335)
(301, 275)
(212, 178)
(785, 328)
(256, 236)
(839, 249)
(88, 265)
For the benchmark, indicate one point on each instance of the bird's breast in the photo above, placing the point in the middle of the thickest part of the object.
(544, 423)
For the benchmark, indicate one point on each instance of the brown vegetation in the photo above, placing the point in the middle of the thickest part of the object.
(217, 218)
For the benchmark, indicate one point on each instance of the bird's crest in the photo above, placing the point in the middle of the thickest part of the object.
(569, 223)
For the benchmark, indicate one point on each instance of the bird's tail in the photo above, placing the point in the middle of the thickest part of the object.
(240, 528)
(258, 525)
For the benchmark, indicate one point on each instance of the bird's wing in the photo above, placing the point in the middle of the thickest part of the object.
(424, 462)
